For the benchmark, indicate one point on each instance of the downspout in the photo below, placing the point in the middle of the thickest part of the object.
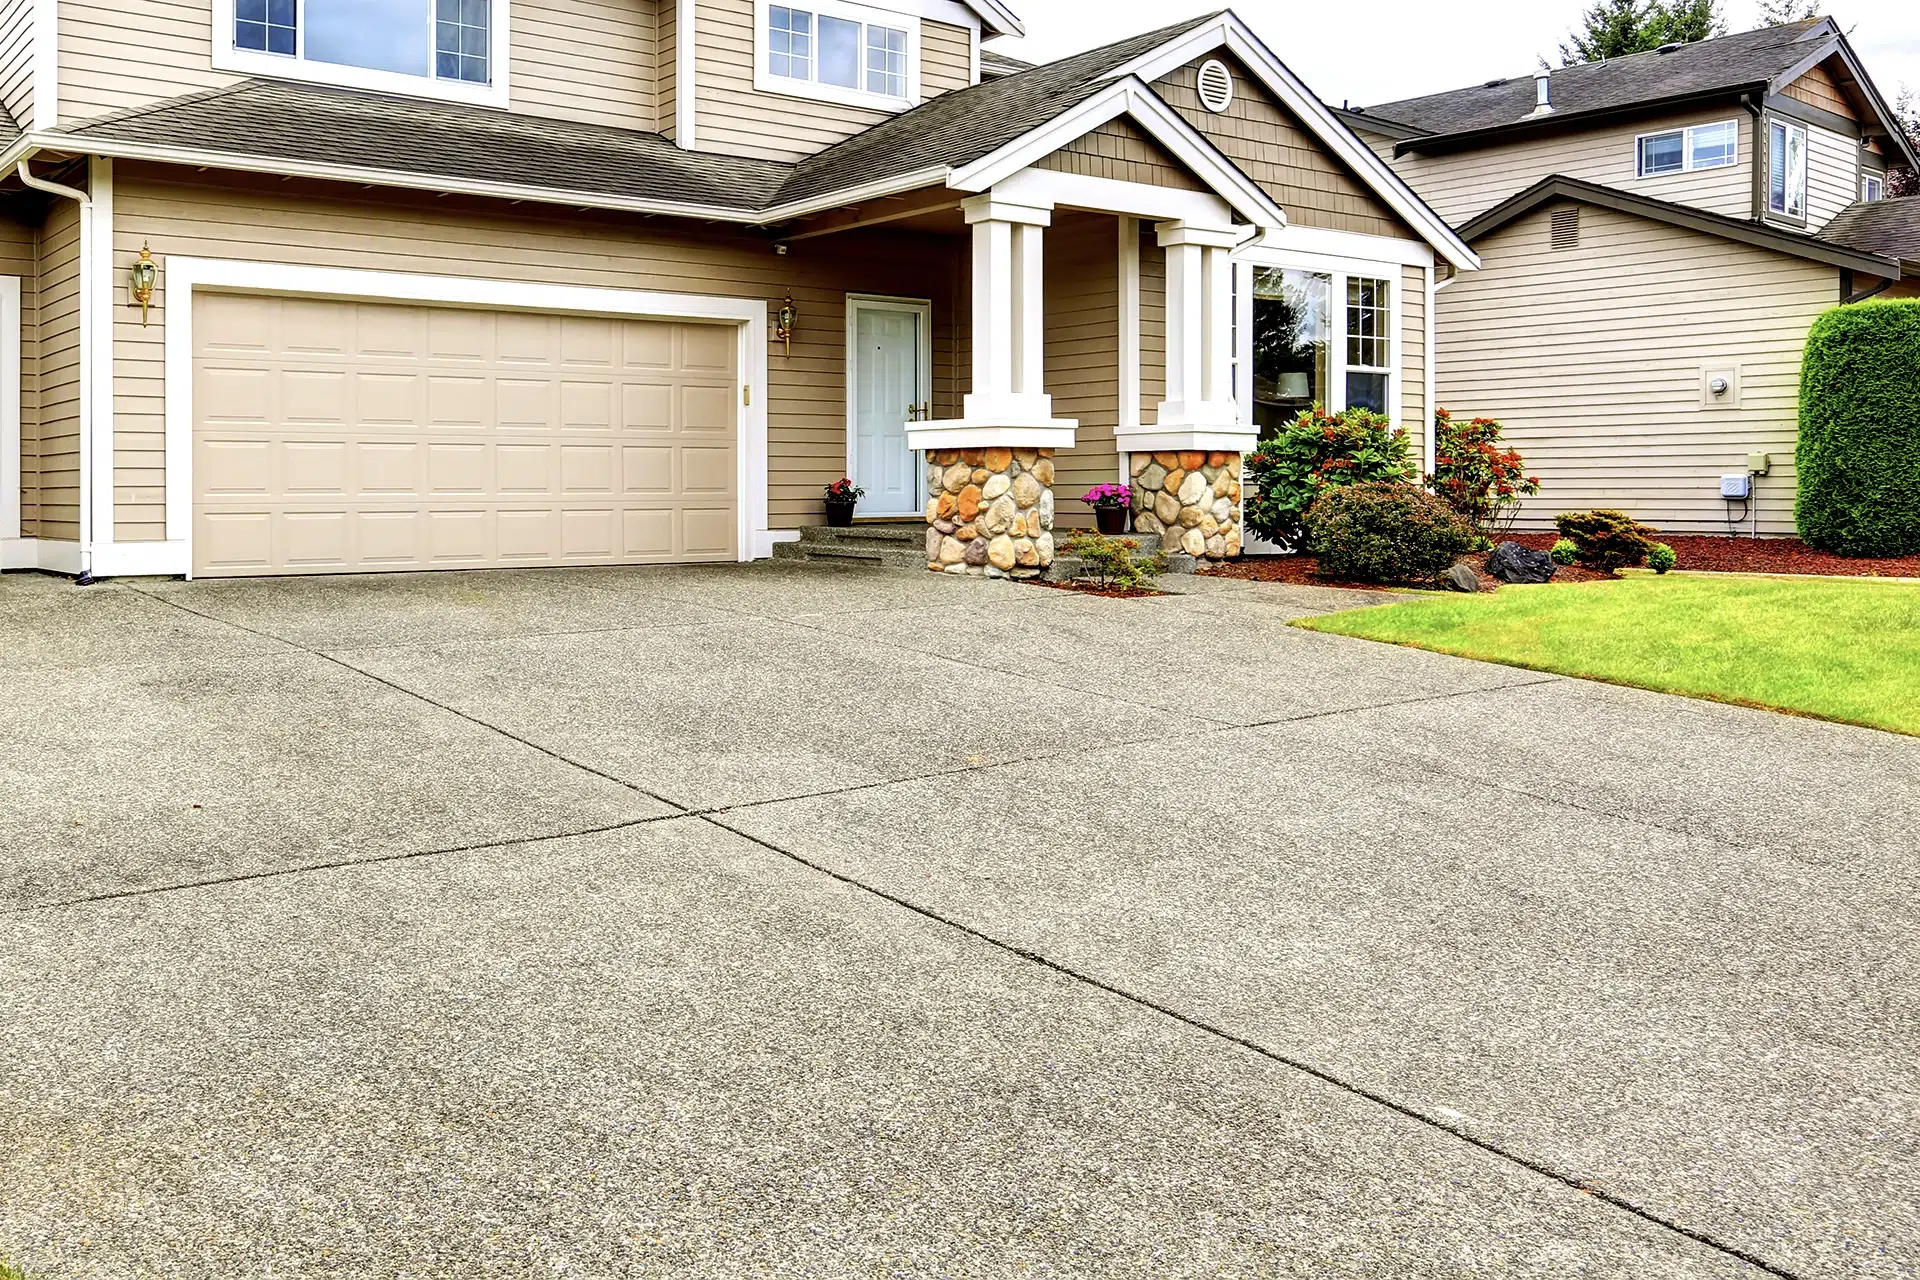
(85, 202)
(1758, 150)
(1848, 295)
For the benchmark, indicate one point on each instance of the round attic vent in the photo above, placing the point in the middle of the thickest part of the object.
(1216, 85)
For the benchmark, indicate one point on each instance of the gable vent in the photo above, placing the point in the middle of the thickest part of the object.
(1216, 85)
(1566, 227)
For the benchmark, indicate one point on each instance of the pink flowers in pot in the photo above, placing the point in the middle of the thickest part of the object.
(1110, 496)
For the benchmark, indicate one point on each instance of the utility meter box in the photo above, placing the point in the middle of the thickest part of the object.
(1739, 485)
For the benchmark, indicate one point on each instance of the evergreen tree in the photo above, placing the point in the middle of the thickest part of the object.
(1616, 28)
(1902, 181)
(1778, 13)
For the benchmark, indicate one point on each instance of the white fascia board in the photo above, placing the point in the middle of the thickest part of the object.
(1346, 246)
(1155, 439)
(844, 196)
(41, 553)
(1132, 98)
(1229, 31)
(1110, 195)
(185, 275)
(686, 101)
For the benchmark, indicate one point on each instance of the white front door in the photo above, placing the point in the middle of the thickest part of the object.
(887, 383)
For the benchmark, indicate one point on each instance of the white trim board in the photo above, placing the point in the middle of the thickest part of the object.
(46, 65)
(1048, 188)
(44, 554)
(188, 276)
(277, 66)
(11, 471)
(96, 359)
(686, 103)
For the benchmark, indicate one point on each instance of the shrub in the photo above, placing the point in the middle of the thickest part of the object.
(1313, 453)
(1478, 478)
(1660, 558)
(1385, 531)
(1859, 453)
(1564, 552)
(1606, 539)
(1116, 562)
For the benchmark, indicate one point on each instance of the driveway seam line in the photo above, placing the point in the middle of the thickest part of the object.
(1318, 1073)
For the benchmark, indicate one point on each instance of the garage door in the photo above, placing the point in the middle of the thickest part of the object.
(365, 437)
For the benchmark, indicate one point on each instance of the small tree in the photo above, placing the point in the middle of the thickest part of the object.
(1901, 179)
(1858, 458)
(1116, 562)
(1316, 452)
(1478, 478)
(1616, 28)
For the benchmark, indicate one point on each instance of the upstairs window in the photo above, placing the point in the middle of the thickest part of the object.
(1873, 187)
(1704, 146)
(439, 48)
(1787, 169)
(838, 52)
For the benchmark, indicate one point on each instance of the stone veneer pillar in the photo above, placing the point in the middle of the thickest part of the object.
(991, 512)
(1190, 500)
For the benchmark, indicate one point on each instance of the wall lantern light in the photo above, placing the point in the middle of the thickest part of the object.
(783, 323)
(145, 272)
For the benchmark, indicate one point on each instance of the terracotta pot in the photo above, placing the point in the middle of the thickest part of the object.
(840, 514)
(1111, 519)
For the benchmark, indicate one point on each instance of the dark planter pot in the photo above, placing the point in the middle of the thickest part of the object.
(1111, 519)
(840, 514)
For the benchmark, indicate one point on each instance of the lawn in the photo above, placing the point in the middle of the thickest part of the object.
(1837, 650)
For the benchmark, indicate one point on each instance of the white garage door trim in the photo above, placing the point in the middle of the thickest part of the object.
(186, 276)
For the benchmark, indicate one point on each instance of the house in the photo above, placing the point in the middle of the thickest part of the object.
(299, 286)
(1657, 233)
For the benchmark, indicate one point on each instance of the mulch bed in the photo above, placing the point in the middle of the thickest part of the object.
(1305, 571)
(1095, 589)
(1710, 553)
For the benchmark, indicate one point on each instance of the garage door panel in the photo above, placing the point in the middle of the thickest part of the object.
(365, 436)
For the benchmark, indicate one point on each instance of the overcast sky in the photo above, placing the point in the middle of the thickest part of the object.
(1368, 51)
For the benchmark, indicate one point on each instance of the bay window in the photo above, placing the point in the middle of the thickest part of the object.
(1320, 338)
(838, 52)
(1787, 169)
(439, 48)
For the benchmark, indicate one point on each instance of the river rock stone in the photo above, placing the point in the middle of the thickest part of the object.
(1000, 553)
(956, 478)
(1511, 562)
(1045, 511)
(1167, 507)
(1153, 477)
(998, 517)
(976, 552)
(1026, 489)
(1461, 578)
(969, 502)
(952, 551)
(1025, 553)
(1193, 488)
(994, 487)
(1195, 543)
(996, 459)
(1043, 471)
(933, 543)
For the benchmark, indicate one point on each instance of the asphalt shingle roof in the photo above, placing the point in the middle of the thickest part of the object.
(1888, 227)
(280, 120)
(994, 65)
(1703, 67)
(962, 126)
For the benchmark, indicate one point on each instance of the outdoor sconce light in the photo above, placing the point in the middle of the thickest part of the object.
(145, 272)
(783, 323)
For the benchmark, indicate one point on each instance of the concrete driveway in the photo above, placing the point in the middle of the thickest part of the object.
(784, 920)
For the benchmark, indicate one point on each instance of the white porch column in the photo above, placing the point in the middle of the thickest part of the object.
(990, 471)
(1199, 329)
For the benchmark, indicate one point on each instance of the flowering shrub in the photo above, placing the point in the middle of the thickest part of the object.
(1476, 477)
(1108, 495)
(1606, 539)
(844, 491)
(1313, 453)
(1385, 531)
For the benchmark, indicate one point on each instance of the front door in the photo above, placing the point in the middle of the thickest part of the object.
(887, 386)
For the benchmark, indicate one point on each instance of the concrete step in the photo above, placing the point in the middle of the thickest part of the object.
(866, 535)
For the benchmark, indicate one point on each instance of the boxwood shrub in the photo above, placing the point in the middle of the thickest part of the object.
(1859, 453)
(1385, 531)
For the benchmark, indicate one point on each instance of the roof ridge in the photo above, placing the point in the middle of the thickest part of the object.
(163, 104)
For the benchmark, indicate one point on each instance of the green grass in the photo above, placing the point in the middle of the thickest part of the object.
(10, 1272)
(1835, 650)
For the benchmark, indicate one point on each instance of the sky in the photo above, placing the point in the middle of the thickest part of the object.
(1370, 51)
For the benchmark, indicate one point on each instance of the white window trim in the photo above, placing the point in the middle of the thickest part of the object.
(182, 278)
(1687, 164)
(1340, 270)
(786, 86)
(1806, 168)
(1875, 180)
(250, 62)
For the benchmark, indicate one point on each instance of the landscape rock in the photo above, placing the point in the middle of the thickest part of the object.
(1511, 562)
(1461, 578)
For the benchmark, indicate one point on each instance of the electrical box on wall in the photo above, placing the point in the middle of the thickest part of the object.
(1759, 463)
(1720, 387)
(1736, 485)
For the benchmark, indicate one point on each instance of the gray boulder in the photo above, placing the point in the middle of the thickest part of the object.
(1511, 562)
(1461, 578)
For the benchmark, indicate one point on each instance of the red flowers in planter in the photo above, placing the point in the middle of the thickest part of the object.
(844, 492)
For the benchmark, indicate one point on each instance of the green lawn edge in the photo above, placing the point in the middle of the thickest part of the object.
(1792, 646)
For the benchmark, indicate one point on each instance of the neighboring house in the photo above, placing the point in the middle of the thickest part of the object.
(457, 283)
(1658, 233)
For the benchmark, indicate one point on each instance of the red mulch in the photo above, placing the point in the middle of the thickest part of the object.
(1304, 571)
(1095, 589)
(1711, 553)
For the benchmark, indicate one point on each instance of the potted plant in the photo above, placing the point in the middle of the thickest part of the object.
(842, 496)
(1110, 503)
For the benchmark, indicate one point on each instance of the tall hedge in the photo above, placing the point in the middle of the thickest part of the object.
(1859, 452)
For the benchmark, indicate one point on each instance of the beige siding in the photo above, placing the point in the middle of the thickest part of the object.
(16, 60)
(1153, 323)
(1121, 150)
(1269, 143)
(590, 60)
(20, 257)
(1413, 357)
(58, 447)
(226, 216)
(736, 118)
(1082, 304)
(1833, 174)
(1462, 185)
(1595, 357)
